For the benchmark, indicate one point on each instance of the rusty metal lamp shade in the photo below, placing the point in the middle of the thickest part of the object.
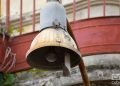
(49, 47)
(48, 50)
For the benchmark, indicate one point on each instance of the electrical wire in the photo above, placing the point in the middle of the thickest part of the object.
(10, 58)
(7, 53)
(13, 62)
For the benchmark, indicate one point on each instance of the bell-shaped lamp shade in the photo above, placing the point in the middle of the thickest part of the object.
(48, 50)
(50, 47)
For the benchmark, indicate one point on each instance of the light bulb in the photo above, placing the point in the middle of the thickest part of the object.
(51, 57)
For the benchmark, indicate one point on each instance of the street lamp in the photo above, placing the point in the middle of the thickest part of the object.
(53, 48)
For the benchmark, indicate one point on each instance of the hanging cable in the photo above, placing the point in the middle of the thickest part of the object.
(9, 58)
(6, 65)
(3, 34)
(13, 62)
(8, 49)
(10, 62)
(7, 53)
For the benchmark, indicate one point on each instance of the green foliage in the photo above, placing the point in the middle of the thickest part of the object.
(2, 30)
(7, 79)
(12, 29)
(1, 79)
(36, 70)
(29, 74)
(18, 29)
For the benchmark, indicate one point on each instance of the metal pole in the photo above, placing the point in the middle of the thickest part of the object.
(74, 10)
(0, 8)
(34, 15)
(81, 65)
(21, 16)
(88, 8)
(7, 14)
(84, 73)
(61, 1)
(119, 6)
(104, 7)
